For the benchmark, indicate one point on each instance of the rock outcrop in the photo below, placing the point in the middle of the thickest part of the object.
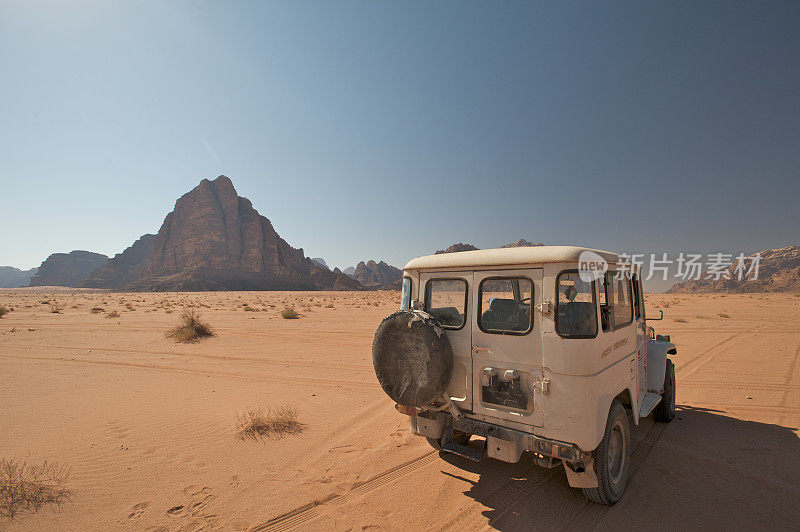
(11, 277)
(455, 248)
(124, 268)
(522, 243)
(67, 269)
(321, 262)
(215, 240)
(377, 275)
(778, 271)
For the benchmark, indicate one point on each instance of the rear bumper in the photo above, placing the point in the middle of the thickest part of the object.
(502, 443)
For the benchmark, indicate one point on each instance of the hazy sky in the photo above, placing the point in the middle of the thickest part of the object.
(388, 130)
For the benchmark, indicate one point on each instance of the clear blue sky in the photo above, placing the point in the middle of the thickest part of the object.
(388, 130)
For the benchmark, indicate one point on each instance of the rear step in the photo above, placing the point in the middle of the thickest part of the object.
(465, 451)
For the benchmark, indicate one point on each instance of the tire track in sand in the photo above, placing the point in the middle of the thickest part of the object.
(592, 513)
(263, 377)
(306, 513)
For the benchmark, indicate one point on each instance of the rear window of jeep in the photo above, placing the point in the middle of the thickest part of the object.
(446, 300)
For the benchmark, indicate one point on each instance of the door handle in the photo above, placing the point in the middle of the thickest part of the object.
(480, 347)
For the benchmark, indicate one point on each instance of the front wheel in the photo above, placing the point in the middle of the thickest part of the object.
(665, 409)
(611, 458)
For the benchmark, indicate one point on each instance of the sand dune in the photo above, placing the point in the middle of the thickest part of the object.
(146, 425)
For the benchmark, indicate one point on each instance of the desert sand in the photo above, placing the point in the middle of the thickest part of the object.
(146, 425)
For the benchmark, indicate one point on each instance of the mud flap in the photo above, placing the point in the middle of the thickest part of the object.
(585, 479)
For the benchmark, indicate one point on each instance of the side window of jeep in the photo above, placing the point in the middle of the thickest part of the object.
(576, 309)
(616, 307)
(405, 294)
(446, 300)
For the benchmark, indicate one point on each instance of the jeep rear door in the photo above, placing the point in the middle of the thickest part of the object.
(506, 344)
(447, 297)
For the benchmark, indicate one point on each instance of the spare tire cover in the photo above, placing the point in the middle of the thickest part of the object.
(412, 357)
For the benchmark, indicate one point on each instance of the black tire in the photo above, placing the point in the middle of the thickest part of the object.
(612, 458)
(665, 409)
(461, 438)
(412, 357)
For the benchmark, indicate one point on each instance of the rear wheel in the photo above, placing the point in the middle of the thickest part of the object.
(611, 458)
(461, 438)
(665, 409)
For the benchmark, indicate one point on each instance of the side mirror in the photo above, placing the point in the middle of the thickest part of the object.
(656, 319)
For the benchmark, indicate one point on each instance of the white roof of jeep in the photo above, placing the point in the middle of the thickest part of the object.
(505, 257)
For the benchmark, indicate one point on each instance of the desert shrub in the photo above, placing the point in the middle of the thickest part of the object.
(723, 315)
(112, 314)
(3, 311)
(289, 313)
(259, 423)
(247, 308)
(25, 486)
(329, 305)
(54, 309)
(129, 306)
(97, 310)
(191, 329)
(680, 320)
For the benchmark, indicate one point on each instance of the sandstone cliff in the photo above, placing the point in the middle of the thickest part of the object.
(455, 248)
(67, 269)
(124, 268)
(215, 240)
(11, 277)
(521, 243)
(373, 274)
(779, 271)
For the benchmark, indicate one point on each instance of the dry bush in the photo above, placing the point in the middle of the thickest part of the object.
(97, 310)
(54, 309)
(112, 314)
(723, 315)
(25, 487)
(680, 320)
(3, 311)
(277, 422)
(192, 328)
(129, 306)
(289, 313)
(329, 305)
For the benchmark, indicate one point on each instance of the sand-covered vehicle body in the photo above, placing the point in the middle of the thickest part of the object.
(544, 358)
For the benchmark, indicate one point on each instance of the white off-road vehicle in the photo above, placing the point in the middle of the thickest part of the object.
(542, 349)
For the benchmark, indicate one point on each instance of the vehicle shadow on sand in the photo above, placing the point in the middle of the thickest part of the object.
(705, 469)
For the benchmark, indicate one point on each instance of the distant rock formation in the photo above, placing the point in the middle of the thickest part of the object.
(124, 268)
(521, 243)
(321, 262)
(373, 274)
(11, 277)
(215, 240)
(779, 271)
(455, 248)
(67, 269)
(351, 271)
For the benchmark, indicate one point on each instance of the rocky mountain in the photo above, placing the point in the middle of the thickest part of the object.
(11, 277)
(67, 269)
(373, 274)
(455, 248)
(521, 243)
(124, 268)
(350, 270)
(215, 240)
(321, 262)
(779, 271)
